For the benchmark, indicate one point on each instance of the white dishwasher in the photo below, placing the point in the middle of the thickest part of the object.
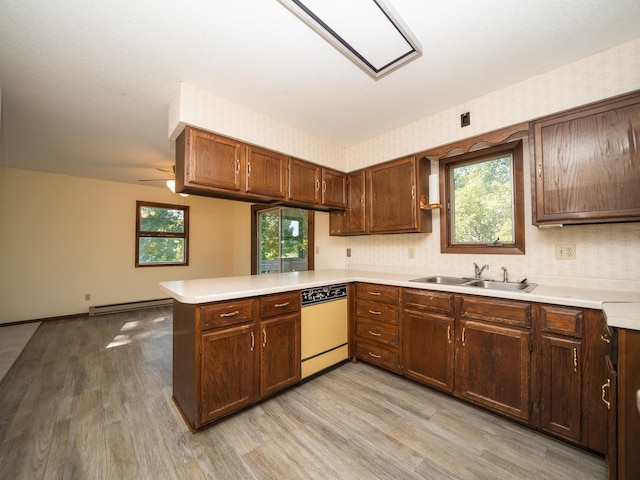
(324, 328)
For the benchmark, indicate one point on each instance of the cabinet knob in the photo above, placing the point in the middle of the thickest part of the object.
(605, 339)
(375, 312)
(374, 355)
(230, 314)
(375, 334)
(280, 305)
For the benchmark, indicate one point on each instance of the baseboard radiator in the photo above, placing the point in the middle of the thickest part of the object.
(128, 307)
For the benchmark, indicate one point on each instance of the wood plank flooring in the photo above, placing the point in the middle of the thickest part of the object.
(13, 338)
(90, 398)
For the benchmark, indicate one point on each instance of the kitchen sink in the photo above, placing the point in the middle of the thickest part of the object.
(442, 280)
(477, 283)
(509, 287)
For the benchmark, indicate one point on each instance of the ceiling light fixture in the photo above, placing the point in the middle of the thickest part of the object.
(368, 32)
(171, 185)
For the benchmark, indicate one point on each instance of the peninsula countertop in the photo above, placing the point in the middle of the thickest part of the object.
(621, 307)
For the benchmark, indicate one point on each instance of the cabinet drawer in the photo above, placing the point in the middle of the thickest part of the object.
(375, 333)
(378, 293)
(279, 304)
(377, 311)
(428, 300)
(496, 311)
(378, 355)
(561, 320)
(226, 313)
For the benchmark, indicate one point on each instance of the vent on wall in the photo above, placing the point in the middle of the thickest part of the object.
(128, 307)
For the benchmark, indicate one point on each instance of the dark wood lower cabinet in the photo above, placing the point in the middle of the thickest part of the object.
(429, 349)
(228, 359)
(228, 355)
(561, 403)
(280, 353)
(628, 422)
(493, 366)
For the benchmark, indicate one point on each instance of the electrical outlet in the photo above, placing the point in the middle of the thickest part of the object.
(348, 252)
(412, 253)
(566, 251)
(87, 297)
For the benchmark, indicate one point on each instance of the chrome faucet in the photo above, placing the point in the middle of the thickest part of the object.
(478, 270)
(505, 275)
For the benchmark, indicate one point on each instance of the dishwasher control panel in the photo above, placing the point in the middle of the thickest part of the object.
(311, 296)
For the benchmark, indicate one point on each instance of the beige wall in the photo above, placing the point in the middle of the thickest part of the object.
(62, 237)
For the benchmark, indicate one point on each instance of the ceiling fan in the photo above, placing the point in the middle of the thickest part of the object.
(171, 183)
(169, 172)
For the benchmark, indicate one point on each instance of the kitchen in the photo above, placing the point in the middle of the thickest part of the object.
(94, 250)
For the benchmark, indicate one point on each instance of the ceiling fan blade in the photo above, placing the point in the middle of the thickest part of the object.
(170, 172)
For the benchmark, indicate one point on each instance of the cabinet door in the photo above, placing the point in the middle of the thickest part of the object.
(610, 399)
(266, 172)
(429, 348)
(494, 365)
(227, 369)
(304, 181)
(561, 396)
(391, 196)
(356, 201)
(586, 167)
(214, 161)
(334, 187)
(280, 357)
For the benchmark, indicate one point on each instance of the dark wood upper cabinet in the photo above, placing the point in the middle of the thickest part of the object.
(586, 163)
(212, 165)
(334, 188)
(352, 221)
(266, 172)
(208, 161)
(393, 193)
(304, 181)
(356, 202)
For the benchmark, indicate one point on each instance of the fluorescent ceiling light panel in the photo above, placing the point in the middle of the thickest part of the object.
(367, 32)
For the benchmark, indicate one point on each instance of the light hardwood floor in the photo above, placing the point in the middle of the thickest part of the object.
(90, 398)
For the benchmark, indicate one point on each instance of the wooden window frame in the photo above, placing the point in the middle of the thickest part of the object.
(143, 234)
(517, 247)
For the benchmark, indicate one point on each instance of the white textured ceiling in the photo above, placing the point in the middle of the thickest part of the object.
(86, 83)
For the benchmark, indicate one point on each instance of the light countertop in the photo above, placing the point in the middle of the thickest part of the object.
(622, 308)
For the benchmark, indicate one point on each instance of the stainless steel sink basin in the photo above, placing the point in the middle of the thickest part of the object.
(442, 280)
(477, 283)
(510, 287)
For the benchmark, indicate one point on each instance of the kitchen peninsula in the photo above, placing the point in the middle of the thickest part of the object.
(535, 357)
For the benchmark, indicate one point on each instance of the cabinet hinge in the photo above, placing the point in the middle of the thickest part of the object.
(530, 407)
(531, 347)
(200, 349)
(189, 169)
(200, 410)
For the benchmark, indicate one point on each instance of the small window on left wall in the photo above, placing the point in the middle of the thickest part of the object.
(162, 234)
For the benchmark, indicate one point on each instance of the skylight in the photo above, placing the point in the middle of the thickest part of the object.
(367, 32)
